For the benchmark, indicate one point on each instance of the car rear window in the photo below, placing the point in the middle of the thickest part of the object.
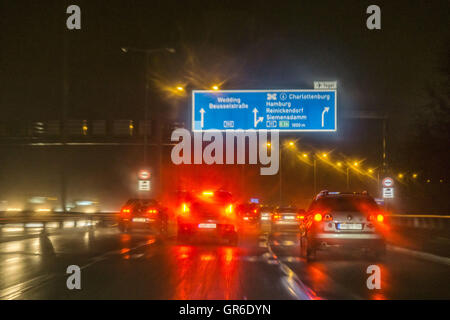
(287, 210)
(361, 204)
(206, 210)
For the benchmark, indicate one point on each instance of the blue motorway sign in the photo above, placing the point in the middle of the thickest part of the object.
(284, 110)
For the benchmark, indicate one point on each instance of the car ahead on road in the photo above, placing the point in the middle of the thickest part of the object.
(249, 214)
(285, 219)
(343, 220)
(208, 216)
(143, 214)
(266, 213)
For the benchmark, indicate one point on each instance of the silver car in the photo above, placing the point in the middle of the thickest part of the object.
(343, 220)
(286, 219)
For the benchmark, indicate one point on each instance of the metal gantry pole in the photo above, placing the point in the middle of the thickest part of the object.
(280, 158)
(146, 108)
(315, 175)
(63, 125)
(348, 179)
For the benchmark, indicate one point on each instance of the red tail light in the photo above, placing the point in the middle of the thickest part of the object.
(300, 217)
(152, 212)
(276, 217)
(229, 209)
(184, 210)
(125, 212)
(376, 217)
(318, 217)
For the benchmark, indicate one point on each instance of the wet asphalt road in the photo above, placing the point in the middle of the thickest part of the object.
(142, 266)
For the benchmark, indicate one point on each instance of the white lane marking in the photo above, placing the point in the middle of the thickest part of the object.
(291, 259)
(15, 291)
(420, 254)
(292, 282)
(288, 243)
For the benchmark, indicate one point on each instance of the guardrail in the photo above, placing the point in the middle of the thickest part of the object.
(51, 221)
(420, 221)
(31, 220)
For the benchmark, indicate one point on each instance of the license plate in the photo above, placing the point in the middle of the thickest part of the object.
(139, 220)
(289, 217)
(349, 226)
(207, 225)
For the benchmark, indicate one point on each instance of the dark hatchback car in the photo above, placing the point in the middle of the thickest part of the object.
(249, 214)
(143, 214)
(343, 220)
(209, 216)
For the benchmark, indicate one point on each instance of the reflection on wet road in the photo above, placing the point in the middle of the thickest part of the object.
(262, 266)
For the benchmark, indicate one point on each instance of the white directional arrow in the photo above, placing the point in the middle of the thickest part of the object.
(202, 113)
(256, 119)
(323, 114)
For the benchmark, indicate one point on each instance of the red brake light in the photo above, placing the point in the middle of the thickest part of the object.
(317, 217)
(184, 210)
(152, 211)
(379, 218)
(300, 217)
(229, 209)
(125, 212)
(276, 217)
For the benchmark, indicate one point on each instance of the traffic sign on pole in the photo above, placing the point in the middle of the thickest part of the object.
(388, 182)
(144, 185)
(284, 110)
(144, 175)
(388, 193)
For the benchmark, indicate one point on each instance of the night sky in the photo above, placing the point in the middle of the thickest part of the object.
(237, 44)
(244, 45)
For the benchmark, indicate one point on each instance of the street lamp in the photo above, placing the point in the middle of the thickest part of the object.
(291, 145)
(215, 87)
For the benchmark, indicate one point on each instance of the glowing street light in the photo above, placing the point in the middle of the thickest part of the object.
(324, 155)
(291, 143)
(268, 144)
(400, 175)
(215, 87)
(305, 155)
(415, 175)
(355, 163)
(180, 88)
(339, 164)
(370, 170)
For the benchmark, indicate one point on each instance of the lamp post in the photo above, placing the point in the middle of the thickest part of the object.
(147, 53)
